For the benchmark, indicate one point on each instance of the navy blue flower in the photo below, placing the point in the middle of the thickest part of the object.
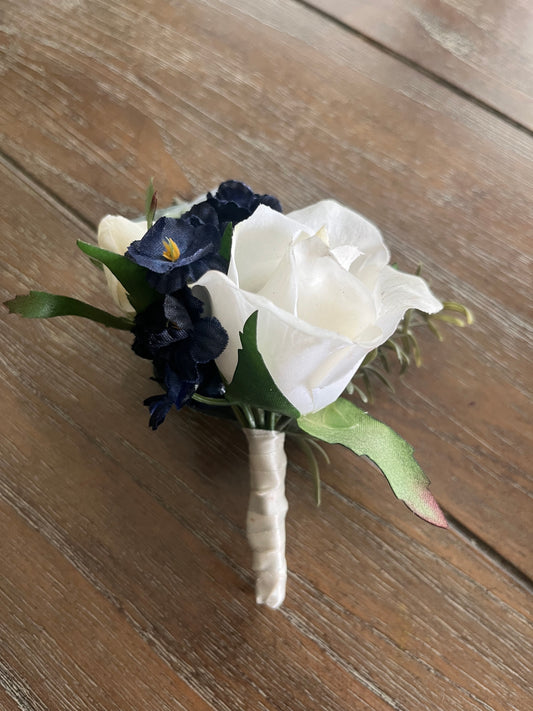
(235, 201)
(177, 391)
(202, 213)
(171, 332)
(165, 323)
(182, 345)
(178, 251)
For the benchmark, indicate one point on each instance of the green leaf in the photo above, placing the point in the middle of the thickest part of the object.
(40, 304)
(150, 204)
(379, 375)
(96, 264)
(344, 423)
(252, 384)
(453, 320)
(130, 275)
(225, 242)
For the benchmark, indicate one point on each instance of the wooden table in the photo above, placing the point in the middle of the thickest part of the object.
(126, 580)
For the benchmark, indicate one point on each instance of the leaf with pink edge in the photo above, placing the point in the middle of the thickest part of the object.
(344, 423)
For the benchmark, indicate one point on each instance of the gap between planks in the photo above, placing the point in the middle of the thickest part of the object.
(13, 166)
(474, 541)
(446, 83)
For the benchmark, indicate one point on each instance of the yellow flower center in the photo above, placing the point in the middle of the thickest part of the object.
(171, 251)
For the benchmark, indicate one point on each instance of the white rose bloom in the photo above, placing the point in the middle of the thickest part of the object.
(116, 233)
(325, 295)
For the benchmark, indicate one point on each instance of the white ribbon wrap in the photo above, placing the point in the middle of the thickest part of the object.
(265, 520)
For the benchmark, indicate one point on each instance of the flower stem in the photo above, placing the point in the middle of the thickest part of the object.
(285, 422)
(249, 415)
(273, 419)
(239, 416)
(259, 415)
(215, 401)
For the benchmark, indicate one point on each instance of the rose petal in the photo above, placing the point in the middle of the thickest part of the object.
(282, 287)
(328, 296)
(116, 233)
(311, 367)
(395, 293)
(346, 255)
(258, 246)
(345, 227)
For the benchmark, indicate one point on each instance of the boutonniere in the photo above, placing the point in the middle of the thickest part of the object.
(269, 319)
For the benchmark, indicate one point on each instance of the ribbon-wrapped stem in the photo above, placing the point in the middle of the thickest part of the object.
(265, 520)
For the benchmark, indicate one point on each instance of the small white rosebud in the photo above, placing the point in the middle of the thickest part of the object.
(116, 233)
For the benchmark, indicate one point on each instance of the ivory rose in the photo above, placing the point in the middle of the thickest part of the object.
(116, 233)
(325, 294)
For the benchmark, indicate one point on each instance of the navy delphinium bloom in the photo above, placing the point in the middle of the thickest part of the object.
(165, 322)
(176, 391)
(171, 332)
(178, 251)
(181, 343)
(235, 201)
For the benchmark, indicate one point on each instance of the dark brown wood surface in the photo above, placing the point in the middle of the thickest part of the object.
(126, 573)
(484, 49)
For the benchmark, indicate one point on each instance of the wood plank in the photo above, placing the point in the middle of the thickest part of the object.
(8, 702)
(484, 49)
(382, 613)
(64, 645)
(317, 114)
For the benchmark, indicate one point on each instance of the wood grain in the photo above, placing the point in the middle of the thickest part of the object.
(484, 49)
(144, 522)
(78, 648)
(319, 114)
(127, 574)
